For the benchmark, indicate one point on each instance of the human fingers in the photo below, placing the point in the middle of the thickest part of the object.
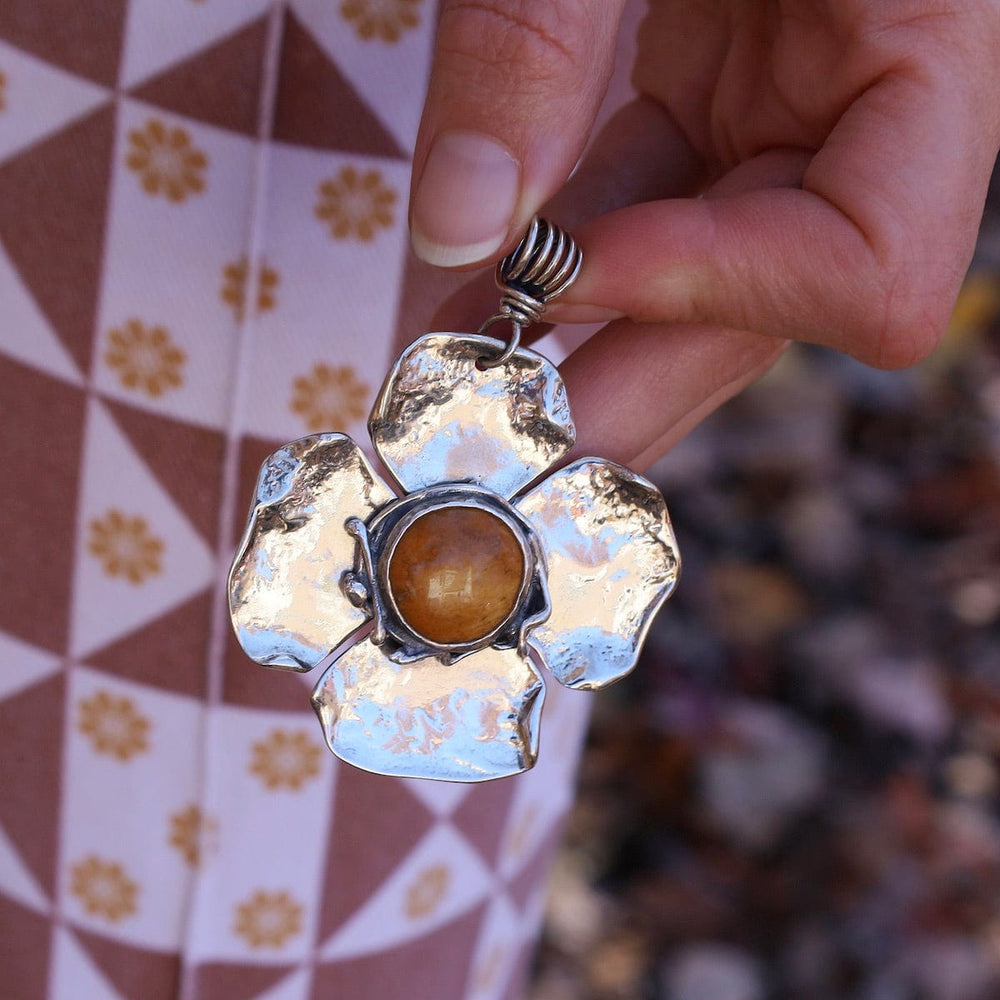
(639, 155)
(514, 89)
(637, 388)
(866, 256)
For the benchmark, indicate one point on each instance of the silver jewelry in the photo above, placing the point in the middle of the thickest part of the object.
(435, 603)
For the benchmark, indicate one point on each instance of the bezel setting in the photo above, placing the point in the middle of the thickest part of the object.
(367, 584)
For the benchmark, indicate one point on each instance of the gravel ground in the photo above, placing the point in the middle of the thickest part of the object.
(795, 795)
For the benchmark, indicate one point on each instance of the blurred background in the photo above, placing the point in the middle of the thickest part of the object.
(795, 793)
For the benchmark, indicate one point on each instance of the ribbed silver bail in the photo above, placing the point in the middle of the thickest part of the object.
(543, 265)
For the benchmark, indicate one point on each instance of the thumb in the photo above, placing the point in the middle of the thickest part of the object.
(515, 86)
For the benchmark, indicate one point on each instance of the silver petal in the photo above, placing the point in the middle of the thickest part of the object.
(612, 561)
(440, 418)
(285, 598)
(473, 720)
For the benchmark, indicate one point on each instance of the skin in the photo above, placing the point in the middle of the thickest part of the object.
(792, 169)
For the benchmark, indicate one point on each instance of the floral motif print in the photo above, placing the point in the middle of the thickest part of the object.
(286, 759)
(425, 894)
(268, 919)
(519, 837)
(355, 204)
(125, 546)
(104, 889)
(329, 397)
(145, 358)
(191, 832)
(486, 974)
(166, 161)
(113, 725)
(383, 19)
(234, 286)
(3, 91)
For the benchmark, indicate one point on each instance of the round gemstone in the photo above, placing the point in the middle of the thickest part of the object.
(456, 574)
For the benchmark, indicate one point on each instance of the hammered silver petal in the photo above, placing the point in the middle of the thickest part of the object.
(612, 561)
(285, 598)
(441, 418)
(475, 719)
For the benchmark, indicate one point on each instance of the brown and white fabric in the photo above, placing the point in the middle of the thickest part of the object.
(203, 253)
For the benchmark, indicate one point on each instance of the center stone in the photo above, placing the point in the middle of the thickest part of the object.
(456, 574)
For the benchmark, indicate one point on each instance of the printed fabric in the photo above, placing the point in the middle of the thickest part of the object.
(203, 254)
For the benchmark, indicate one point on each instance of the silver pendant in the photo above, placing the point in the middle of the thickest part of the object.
(443, 595)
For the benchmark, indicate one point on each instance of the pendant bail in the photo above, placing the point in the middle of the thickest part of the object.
(543, 265)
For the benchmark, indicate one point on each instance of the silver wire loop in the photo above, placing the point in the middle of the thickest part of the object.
(543, 265)
(512, 345)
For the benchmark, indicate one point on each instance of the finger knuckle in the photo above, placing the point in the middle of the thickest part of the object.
(515, 43)
(909, 314)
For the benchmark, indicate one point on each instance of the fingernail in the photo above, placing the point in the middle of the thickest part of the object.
(465, 199)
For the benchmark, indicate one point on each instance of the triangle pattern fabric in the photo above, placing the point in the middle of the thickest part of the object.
(375, 822)
(22, 665)
(73, 973)
(219, 85)
(32, 723)
(424, 968)
(439, 881)
(317, 107)
(26, 334)
(173, 649)
(53, 202)
(122, 560)
(536, 809)
(424, 288)
(481, 817)
(40, 459)
(40, 99)
(293, 987)
(153, 975)
(518, 976)
(253, 452)
(16, 881)
(441, 797)
(186, 459)
(231, 981)
(82, 38)
(496, 952)
(159, 35)
(525, 886)
(386, 69)
(26, 940)
(250, 685)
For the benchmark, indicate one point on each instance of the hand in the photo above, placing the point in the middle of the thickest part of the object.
(842, 149)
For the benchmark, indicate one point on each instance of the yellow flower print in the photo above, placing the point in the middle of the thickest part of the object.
(520, 834)
(113, 725)
(268, 919)
(104, 889)
(329, 397)
(125, 546)
(234, 286)
(3, 91)
(355, 204)
(384, 19)
(145, 358)
(166, 161)
(426, 893)
(286, 759)
(486, 974)
(192, 832)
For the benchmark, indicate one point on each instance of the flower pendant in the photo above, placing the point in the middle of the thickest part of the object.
(442, 596)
